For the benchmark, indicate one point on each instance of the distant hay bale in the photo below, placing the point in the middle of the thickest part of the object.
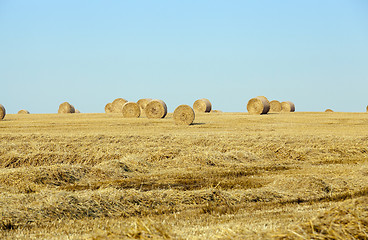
(23, 111)
(65, 107)
(131, 110)
(117, 105)
(156, 109)
(258, 105)
(367, 108)
(143, 103)
(328, 110)
(2, 112)
(216, 111)
(183, 115)
(108, 108)
(287, 106)
(77, 111)
(202, 105)
(275, 106)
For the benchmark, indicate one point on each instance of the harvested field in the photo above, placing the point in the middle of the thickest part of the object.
(226, 176)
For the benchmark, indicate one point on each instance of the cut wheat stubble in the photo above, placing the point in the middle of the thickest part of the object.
(184, 115)
(258, 105)
(287, 106)
(202, 105)
(66, 107)
(131, 110)
(156, 109)
(2, 112)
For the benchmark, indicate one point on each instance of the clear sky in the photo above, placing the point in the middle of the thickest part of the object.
(89, 52)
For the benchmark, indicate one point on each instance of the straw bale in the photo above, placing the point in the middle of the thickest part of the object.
(117, 105)
(258, 105)
(367, 108)
(131, 110)
(77, 111)
(202, 105)
(156, 109)
(216, 111)
(23, 111)
(143, 103)
(275, 106)
(287, 106)
(328, 110)
(2, 112)
(183, 115)
(108, 108)
(65, 107)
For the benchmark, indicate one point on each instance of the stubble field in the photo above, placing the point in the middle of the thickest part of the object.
(229, 176)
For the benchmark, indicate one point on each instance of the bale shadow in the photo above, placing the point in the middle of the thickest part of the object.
(197, 124)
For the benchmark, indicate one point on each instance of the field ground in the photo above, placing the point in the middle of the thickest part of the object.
(229, 176)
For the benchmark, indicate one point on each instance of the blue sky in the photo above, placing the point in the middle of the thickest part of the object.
(314, 53)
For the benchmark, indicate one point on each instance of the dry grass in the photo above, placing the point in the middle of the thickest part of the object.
(228, 176)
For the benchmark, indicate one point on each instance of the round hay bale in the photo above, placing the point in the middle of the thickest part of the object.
(65, 107)
(258, 105)
(275, 106)
(183, 115)
(287, 106)
(216, 111)
(143, 103)
(328, 110)
(156, 109)
(77, 111)
(202, 105)
(367, 108)
(2, 112)
(131, 110)
(23, 111)
(108, 108)
(117, 105)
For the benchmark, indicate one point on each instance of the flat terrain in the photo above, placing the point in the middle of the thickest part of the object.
(227, 176)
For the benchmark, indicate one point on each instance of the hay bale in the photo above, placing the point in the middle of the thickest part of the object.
(117, 105)
(328, 110)
(202, 105)
(77, 111)
(143, 103)
(275, 106)
(65, 107)
(23, 111)
(156, 109)
(183, 115)
(2, 112)
(216, 111)
(131, 110)
(367, 108)
(287, 106)
(108, 108)
(258, 105)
